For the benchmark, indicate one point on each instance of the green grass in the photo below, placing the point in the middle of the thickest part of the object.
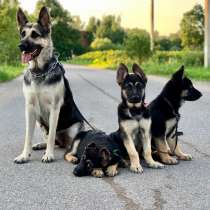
(9, 72)
(111, 59)
(194, 72)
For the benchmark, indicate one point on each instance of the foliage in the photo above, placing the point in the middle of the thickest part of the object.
(171, 42)
(175, 41)
(65, 37)
(110, 27)
(77, 23)
(192, 28)
(189, 58)
(104, 59)
(93, 24)
(9, 53)
(137, 44)
(8, 72)
(103, 44)
(111, 59)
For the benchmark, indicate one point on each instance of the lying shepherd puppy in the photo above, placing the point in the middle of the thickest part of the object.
(165, 116)
(48, 97)
(96, 153)
(134, 118)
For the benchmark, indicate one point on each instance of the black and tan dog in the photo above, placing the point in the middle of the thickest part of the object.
(96, 153)
(134, 118)
(165, 116)
(48, 97)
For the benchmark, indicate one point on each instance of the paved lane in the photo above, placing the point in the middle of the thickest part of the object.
(52, 186)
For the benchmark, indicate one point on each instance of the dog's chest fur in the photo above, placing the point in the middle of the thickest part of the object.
(43, 97)
(135, 126)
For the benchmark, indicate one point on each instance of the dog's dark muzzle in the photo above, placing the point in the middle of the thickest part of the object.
(81, 171)
(193, 95)
(84, 168)
(28, 47)
(134, 99)
(25, 46)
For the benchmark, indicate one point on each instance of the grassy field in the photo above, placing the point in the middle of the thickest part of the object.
(110, 60)
(9, 72)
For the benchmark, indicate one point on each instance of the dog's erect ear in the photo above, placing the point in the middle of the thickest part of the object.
(105, 155)
(139, 71)
(122, 72)
(21, 18)
(44, 18)
(179, 74)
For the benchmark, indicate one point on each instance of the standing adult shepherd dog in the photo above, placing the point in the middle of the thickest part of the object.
(48, 97)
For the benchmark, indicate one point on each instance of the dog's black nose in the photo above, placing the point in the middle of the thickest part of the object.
(134, 99)
(23, 46)
(78, 172)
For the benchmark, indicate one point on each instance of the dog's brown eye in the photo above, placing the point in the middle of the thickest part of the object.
(138, 85)
(129, 86)
(34, 34)
(23, 33)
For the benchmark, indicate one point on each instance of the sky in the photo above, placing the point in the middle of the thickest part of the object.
(134, 13)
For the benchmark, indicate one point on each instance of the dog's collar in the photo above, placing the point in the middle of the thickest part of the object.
(52, 65)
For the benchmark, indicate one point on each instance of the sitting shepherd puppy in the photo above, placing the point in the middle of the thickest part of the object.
(96, 153)
(165, 116)
(134, 118)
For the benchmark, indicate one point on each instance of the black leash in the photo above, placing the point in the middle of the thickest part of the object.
(91, 126)
(177, 117)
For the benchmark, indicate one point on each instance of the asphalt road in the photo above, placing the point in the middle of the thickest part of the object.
(36, 186)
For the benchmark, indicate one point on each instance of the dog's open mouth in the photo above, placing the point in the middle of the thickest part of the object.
(28, 56)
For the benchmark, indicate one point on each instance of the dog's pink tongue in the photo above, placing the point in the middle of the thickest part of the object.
(26, 57)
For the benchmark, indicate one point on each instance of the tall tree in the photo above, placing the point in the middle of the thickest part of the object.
(93, 24)
(9, 37)
(137, 44)
(77, 23)
(192, 28)
(65, 37)
(110, 27)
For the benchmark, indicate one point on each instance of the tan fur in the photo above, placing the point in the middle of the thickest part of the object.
(128, 126)
(178, 152)
(112, 170)
(70, 158)
(97, 172)
(163, 152)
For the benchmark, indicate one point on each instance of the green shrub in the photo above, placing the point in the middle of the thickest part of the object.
(103, 44)
(188, 58)
(137, 44)
(105, 59)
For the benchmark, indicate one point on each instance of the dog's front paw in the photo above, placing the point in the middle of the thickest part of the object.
(22, 159)
(71, 158)
(170, 160)
(97, 172)
(156, 164)
(136, 168)
(185, 157)
(48, 158)
(112, 171)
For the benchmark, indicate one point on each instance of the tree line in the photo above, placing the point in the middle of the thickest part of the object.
(72, 37)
